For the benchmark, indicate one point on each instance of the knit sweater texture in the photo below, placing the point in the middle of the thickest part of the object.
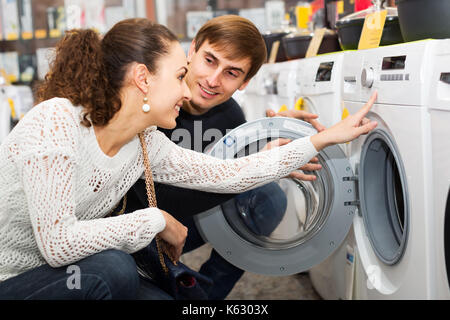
(57, 186)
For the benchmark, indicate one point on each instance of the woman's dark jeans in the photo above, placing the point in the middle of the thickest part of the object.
(108, 275)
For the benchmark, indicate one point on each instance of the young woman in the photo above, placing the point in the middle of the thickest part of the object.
(71, 159)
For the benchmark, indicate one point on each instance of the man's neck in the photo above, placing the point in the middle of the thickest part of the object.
(193, 109)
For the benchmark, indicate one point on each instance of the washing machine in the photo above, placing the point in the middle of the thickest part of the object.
(321, 94)
(252, 97)
(440, 142)
(322, 90)
(319, 213)
(321, 83)
(395, 223)
(275, 86)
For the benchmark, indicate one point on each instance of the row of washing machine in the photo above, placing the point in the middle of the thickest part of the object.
(373, 225)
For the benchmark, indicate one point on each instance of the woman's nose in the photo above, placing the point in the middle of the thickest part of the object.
(187, 92)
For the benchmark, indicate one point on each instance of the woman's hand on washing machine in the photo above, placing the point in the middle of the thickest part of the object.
(300, 115)
(348, 129)
(300, 174)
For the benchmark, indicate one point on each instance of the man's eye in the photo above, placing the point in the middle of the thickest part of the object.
(233, 74)
(208, 60)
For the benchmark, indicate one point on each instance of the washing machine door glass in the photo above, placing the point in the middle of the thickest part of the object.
(287, 226)
(383, 192)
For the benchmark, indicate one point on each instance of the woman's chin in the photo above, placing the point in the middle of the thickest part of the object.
(168, 125)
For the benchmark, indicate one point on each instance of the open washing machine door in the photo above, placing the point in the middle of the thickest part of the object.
(318, 214)
(383, 197)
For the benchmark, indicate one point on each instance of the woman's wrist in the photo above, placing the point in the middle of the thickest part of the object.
(321, 140)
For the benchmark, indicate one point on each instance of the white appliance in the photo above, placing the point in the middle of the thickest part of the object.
(5, 115)
(391, 189)
(320, 213)
(440, 137)
(394, 225)
(276, 86)
(252, 98)
(318, 217)
(322, 92)
(321, 87)
(15, 102)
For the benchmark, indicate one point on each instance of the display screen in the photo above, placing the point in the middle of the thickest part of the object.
(445, 77)
(394, 63)
(324, 71)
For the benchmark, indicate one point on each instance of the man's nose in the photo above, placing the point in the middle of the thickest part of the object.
(214, 79)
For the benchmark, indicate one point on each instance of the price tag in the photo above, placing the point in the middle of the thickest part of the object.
(340, 6)
(27, 35)
(274, 52)
(11, 106)
(315, 43)
(55, 33)
(303, 14)
(372, 30)
(40, 34)
(12, 36)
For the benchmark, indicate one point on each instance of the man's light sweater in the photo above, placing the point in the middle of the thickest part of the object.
(57, 186)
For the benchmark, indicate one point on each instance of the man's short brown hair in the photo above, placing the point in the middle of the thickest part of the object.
(236, 36)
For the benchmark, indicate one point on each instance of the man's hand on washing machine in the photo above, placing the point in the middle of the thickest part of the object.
(298, 114)
(313, 164)
(348, 129)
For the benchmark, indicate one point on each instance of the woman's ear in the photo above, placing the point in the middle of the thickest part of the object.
(141, 77)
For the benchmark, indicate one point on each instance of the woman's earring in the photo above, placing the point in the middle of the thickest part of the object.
(146, 106)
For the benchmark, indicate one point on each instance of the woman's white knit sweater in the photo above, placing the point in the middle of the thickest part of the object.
(57, 186)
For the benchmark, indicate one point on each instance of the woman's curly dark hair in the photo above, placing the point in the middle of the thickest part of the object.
(89, 71)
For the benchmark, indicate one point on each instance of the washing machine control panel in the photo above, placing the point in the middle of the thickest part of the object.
(440, 78)
(322, 74)
(351, 75)
(400, 73)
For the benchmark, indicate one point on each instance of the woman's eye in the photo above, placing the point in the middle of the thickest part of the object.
(208, 60)
(181, 77)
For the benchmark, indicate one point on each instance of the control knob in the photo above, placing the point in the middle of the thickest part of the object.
(367, 77)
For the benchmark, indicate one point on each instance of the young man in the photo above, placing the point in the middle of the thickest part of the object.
(225, 54)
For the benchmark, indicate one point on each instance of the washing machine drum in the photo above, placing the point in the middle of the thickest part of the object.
(286, 226)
